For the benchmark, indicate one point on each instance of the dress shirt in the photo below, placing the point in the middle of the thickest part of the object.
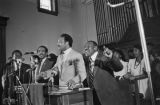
(66, 52)
(63, 56)
(93, 58)
(17, 66)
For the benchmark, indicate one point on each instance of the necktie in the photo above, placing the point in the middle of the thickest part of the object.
(91, 75)
(40, 66)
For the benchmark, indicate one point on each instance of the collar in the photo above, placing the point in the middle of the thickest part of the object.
(43, 60)
(93, 57)
(67, 51)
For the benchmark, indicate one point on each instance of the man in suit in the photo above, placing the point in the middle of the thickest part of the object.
(70, 64)
(44, 65)
(100, 77)
(14, 68)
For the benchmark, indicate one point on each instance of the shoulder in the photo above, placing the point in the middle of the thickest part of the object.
(132, 60)
(25, 65)
(8, 64)
(48, 60)
(75, 53)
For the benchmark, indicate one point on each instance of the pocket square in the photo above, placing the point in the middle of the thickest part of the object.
(70, 62)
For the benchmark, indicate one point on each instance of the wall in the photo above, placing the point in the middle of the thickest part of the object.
(27, 29)
(83, 21)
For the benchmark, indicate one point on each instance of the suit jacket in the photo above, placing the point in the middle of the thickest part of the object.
(109, 90)
(72, 68)
(104, 63)
(48, 64)
(25, 77)
(108, 64)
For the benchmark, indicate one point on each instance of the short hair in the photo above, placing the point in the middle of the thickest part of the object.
(94, 43)
(36, 57)
(67, 38)
(138, 46)
(121, 53)
(110, 46)
(17, 51)
(52, 56)
(46, 49)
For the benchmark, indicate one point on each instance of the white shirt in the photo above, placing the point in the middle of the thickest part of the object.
(66, 52)
(124, 70)
(63, 57)
(93, 58)
(17, 64)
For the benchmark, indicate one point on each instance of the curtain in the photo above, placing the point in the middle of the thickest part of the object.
(2, 51)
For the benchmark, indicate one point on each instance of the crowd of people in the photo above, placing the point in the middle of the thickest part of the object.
(105, 71)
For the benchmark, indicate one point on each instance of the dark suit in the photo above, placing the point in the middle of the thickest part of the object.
(104, 63)
(11, 80)
(106, 89)
(48, 64)
(25, 77)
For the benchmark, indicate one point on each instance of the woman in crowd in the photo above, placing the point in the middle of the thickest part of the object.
(136, 70)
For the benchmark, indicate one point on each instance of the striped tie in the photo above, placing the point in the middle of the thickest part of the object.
(91, 76)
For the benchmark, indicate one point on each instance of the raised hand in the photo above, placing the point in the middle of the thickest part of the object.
(71, 84)
(107, 52)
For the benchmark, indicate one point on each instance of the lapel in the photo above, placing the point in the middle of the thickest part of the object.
(59, 63)
(44, 65)
(97, 61)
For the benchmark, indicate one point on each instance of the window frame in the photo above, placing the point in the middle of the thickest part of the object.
(48, 11)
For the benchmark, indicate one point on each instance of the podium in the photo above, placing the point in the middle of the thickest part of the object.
(38, 95)
(81, 96)
(35, 94)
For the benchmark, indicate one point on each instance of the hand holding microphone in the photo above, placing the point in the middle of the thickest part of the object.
(107, 52)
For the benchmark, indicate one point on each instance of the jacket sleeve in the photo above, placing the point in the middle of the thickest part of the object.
(116, 64)
(109, 64)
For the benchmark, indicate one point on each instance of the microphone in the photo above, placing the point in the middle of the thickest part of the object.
(12, 60)
(26, 53)
(28, 70)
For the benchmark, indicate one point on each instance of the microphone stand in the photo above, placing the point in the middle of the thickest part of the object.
(18, 80)
(23, 89)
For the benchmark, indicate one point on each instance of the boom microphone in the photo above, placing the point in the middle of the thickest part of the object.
(26, 53)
